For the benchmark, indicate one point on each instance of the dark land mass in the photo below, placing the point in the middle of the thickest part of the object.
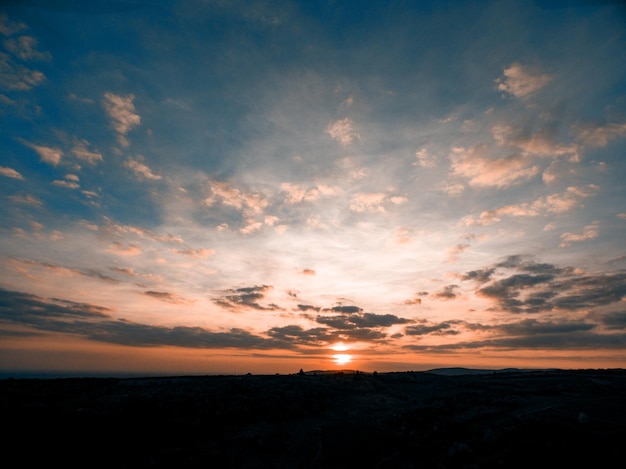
(440, 419)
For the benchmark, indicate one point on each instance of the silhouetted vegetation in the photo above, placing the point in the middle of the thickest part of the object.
(412, 419)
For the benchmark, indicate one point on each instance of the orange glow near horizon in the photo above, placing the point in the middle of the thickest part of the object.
(340, 347)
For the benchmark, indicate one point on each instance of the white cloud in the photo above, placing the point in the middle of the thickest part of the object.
(141, 169)
(121, 110)
(10, 173)
(520, 81)
(343, 131)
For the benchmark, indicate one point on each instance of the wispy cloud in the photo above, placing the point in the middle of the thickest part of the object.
(10, 173)
(343, 131)
(521, 81)
(121, 111)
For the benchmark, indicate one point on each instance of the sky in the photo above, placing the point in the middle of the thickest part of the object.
(225, 187)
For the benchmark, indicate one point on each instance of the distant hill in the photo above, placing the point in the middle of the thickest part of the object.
(457, 371)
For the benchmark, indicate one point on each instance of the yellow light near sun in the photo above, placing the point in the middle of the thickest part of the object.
(340, 347)
(342, 358)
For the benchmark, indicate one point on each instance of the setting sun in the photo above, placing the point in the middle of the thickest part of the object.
(342, 358)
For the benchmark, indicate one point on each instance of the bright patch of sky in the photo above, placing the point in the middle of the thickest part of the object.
(239, 186)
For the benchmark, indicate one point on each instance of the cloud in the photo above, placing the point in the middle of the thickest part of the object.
(96, 323)
(294, 193)
(246, 298)
(8, 28)
(167, 297)
(455, 251)
(448, 293)
(424, 159)
(589, 232)
(114, 229)
(293, 335)
(81, 151)
(249, 203)
(538, 144)
(343, 131)
(425, 328)
(121, 111)
(361, 320)
(599, 136)
(200, 253)
(524, 286)
(374, 202)
(124, 250)
(66, 184)
(521, 81)
(483, 171)
(140, 169)
(47, 154)
(25, 265)
(10, 173)
(17, 77)
(25, 48)
(26, 200)
(557, 203)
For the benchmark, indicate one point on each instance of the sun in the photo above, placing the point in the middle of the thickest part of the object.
(342, 358)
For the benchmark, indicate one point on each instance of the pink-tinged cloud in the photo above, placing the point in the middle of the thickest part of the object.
(552, 204)
(599, 136)
(82, 152)
(121, 111)
(168, 297)
(201, 253)
(475, 165)
(589, 232)
(521, 81)
(10, 173)
(124, 250)
(48, 155)
(374, 202)
(141, 169)
(343, 131)
(26, 200)
(295, 193)
(537, 144)
(25, 48)
(249, 203)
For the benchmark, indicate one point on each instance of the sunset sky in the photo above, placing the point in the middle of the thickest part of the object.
(197, 187)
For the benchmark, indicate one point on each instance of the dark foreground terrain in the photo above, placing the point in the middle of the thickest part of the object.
(412, 419)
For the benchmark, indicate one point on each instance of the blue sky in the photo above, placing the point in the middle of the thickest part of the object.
(227, 186)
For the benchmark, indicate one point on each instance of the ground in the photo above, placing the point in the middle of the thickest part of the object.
(326, 420)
